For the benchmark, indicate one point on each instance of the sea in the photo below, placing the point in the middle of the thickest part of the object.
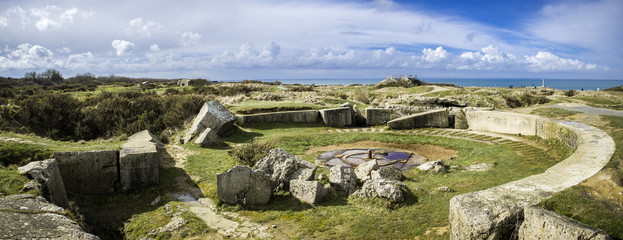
(562, 84)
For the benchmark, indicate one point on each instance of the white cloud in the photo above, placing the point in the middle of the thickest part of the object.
(190, 38)
(142, 27)
(27, 56)
(122, 47)
(78, 61)
(154, 48)
(54, 18)
(545, 61)
(4, 22)
(435, 56)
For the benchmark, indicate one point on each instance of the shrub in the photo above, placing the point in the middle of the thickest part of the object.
(301, 88)
(570, 93)
(251, 152)
(13, 153)
(615, 88)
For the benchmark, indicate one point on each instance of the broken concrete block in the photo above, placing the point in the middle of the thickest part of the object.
(434, 118)
(283, 167)
(243, 185)
(138, 162)
(310, 192)
(363, 170)
(208, 138)
(343, 179)
(382, 188)
(212, 115)
(49, 179)
(89, 172)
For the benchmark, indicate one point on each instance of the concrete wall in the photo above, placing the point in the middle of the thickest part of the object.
(377, 116)
(50, 180)
(495, 213)
(91, 172)
(308, 116)
(138, 162)
(337, 117)
(434, 118)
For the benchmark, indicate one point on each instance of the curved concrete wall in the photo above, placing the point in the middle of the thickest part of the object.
(309, 116)
(494, 213)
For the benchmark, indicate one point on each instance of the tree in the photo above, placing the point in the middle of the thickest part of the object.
(52, 75)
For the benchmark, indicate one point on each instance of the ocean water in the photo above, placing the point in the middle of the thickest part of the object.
(563, 84)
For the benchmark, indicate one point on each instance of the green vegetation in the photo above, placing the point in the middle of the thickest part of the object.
(254, 106)
(570, 93)
(553, 112)
(250, 152)
(142, 223)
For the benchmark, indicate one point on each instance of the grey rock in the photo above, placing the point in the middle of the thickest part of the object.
(48, 180)
(212, 115)
(138, 162)
(430, 165)
(439, 169)
(337, 117)
(444, 189)
(176, 223)
(89, 172)
(382, 188)
(282, 167)
(208, 138)
(388, 172)
(543, 224)
(479, 167)
(343, 179)
(310, 192)
(363, 170)
(243, 185)
(358, 118)
(30, 217)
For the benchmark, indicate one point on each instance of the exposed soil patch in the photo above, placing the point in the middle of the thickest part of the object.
(432, 152)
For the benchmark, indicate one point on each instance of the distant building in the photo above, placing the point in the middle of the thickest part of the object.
(183, 82)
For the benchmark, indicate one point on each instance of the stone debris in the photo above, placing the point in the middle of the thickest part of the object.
(539, 223)
(138, 161)
(433, 166)
(388, 172)
(479, 167)
(243, 185)
(48, 180)
(208, 138)
(212, 115)
(282, 167)
(343, 179)
(364, 170)
(382, 188)
(444, 189)
(310, 192)
(29, 217)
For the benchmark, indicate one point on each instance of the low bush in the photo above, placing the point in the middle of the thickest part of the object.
(14, 153)
(249, 153)
(615, 88)
(570, 93)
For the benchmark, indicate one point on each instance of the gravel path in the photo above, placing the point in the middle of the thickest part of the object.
(586, 109)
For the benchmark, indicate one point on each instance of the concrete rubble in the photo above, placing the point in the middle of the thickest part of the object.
(364, 170)
(212, 115)
(243, 185)
(138, 162)
(343, 179)
(49, 180)
(382, 188)
(311, 192)
(388, 172)
(282, 167)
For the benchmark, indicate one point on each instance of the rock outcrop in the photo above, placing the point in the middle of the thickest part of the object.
(282, 167)
(89, 172)
(212, 115)
(382, 188)
(29, 217)
(243, 185)
(310, 192)
(138, 161)
(539, 223)
(343, 179)
(49, 180)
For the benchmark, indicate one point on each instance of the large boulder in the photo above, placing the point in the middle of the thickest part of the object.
(243, 185)
(89, 172)
(49, 179)
(542, 224)
(29, 217)
(343, 179)
(364, 170)
(138, 162)
(212, 115)
(282, 167)
(310, 192)
(382, 188)
(208, 138)
(388, 172)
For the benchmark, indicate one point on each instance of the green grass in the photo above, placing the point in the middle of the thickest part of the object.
(577, 203)
(362, 219)
(142, 223)
(553, 112)
(610, 102)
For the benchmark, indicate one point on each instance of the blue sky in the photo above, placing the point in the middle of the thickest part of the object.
(280, 39)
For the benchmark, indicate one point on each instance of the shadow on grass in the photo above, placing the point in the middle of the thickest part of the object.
(105, 215)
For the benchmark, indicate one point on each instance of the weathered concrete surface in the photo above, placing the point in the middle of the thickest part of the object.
(90, 172)
(50, 180)
(539, 223)
(310, 192)
(434, 118)
(243, 185)
(387, 172)
(502, 122)
(343, 179)
(208, 138)
(138, 162)
(28, 217)
(492, 213)
(212, 115)
(377, 116)
(337, 117)
(382, 188)
(282, 167)
(307, 116)
(364, 170)
(460, 120)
